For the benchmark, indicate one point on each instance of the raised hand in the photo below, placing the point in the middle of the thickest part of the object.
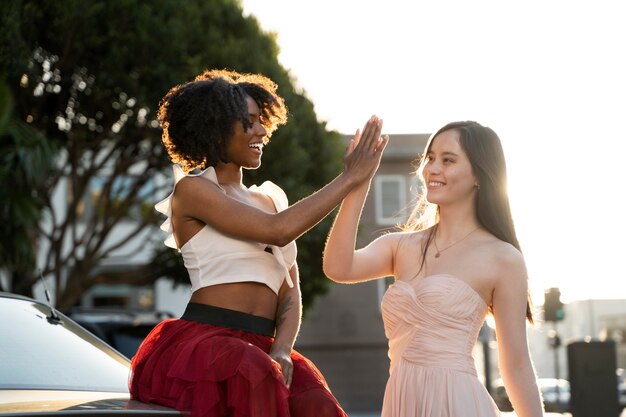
(364, 152)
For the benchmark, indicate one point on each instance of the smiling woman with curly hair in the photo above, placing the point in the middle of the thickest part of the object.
(231, 353)
(199, 117)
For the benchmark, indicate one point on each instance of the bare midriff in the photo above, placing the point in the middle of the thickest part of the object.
(247, 297)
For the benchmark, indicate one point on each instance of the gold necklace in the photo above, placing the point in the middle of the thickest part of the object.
(438, 254)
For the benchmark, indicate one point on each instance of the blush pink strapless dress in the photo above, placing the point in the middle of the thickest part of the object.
(432, 325)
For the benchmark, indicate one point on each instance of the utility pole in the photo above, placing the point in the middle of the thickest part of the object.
(553, 311)
(554, 340)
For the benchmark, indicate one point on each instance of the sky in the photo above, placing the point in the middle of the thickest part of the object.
(548, 76)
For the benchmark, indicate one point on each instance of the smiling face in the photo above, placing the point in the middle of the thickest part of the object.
(448, 173)
(245, 147)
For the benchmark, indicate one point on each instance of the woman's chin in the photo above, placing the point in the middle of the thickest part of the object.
(252, 166)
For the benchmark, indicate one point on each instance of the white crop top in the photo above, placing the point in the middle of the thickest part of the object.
(212, 257)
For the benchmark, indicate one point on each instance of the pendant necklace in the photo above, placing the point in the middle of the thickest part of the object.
(438, 253)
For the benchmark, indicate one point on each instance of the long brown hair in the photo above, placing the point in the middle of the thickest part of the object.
(484, 151)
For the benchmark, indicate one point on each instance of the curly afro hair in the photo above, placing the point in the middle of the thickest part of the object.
(198, 117)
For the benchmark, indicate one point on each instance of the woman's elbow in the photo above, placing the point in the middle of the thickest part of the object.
(332, 272)
(328, 273)
(280, 240)
(278, 235)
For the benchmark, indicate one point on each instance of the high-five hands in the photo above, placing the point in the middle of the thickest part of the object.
(364, 152)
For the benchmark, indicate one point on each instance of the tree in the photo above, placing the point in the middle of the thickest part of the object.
(25, 162)
(89, 76)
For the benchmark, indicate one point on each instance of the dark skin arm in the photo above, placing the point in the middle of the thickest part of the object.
(288, 317)
(194, 195)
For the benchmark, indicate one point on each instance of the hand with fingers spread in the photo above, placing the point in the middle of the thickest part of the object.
(364, 152)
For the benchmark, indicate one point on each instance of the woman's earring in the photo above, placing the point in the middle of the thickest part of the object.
(477, 186)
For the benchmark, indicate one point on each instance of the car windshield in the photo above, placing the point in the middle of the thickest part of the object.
(38, 354)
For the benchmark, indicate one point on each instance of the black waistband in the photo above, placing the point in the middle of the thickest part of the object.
(217, 316)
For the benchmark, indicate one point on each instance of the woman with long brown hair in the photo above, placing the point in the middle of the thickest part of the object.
(456, 259)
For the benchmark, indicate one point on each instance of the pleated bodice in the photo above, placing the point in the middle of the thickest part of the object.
(432, 325)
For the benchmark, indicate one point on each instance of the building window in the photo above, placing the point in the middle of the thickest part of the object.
(390, 195)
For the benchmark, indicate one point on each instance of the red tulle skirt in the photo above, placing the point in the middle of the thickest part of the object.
(217, 371)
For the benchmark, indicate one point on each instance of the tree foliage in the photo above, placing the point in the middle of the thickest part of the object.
(88, 76)
(25, 162)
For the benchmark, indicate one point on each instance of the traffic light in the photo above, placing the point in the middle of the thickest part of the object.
(553, 307)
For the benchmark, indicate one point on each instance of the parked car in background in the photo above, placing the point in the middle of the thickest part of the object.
(124, 329)
(556, 395)
(51, 366)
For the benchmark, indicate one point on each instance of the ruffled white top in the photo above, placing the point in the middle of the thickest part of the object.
(212, 257)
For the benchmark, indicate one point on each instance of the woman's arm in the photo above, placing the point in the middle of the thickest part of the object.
(342, 263)
(509, 307)
(288, 318)
(198, 198)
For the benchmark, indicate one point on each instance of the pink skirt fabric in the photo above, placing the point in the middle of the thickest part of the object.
(217, 371)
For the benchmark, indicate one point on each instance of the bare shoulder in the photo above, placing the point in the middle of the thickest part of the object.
(389, 238)
(389, 242)
(409, 242)
(408, 238)
(193, 194)
(196, 184)
(408, 253)
(507, 259)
